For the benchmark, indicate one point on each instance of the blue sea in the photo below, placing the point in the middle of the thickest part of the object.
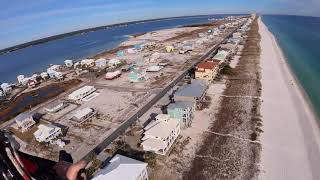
(38, 57)
(299, 39)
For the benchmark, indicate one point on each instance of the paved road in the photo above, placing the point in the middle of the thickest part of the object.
(125, 125)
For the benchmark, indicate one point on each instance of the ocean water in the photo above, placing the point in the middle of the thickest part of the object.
(299, 39)
(38, 57)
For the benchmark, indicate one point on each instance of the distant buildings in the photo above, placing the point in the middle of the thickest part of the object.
(81, 93)
(207, 70)
(25, 121)
(160, 134)
(123, 168)
(47, 133)
(182, 110)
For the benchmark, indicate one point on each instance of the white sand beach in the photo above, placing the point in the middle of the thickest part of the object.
(291, 132)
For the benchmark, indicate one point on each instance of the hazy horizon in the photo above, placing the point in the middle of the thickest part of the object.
(24, 22)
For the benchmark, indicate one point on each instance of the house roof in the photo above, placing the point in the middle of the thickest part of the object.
(207, 65)
(221, 55)
(121, 167)
(196, 89)
(154, 143)
(23, 116)
(161, 129)
(181, 105)
(44, 130)
(163, 116)
(82, 90)
(82, 112)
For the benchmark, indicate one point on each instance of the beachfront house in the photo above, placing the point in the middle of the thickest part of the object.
(193, 92)
(221, 56)
(123, 168)
(25, 121)
(47, 133)
(230, 48)
(81, 116)
(160, 134)
(207, 70)
(182, 110)
(81, 93)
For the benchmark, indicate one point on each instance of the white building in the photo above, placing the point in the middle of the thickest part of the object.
(82, 115)
(237, 35)
(114, 62)
(2, 94)
(68, 63)
(101, 63)
(47, 133)
(22, 79)
(154, 68)
(44, 75)
(56, 107)
(81, 93)
(6, 88)
(87, 62)
(123, 168)
(53, 71)
(24, 121)
(160, 134)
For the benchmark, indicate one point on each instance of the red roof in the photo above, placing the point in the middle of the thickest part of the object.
(208, 65)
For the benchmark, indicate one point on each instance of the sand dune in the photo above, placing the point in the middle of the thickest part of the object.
(291, 133)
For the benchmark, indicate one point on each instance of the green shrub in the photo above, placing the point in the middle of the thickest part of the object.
(226, 70)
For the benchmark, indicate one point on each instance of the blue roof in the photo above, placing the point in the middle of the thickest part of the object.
(196, 89)
(181, 105)
(23, 116)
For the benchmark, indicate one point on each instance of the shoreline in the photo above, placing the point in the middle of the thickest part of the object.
(77, 32)
(300, 121)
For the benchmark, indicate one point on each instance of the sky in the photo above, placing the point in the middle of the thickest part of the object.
(26, 20)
